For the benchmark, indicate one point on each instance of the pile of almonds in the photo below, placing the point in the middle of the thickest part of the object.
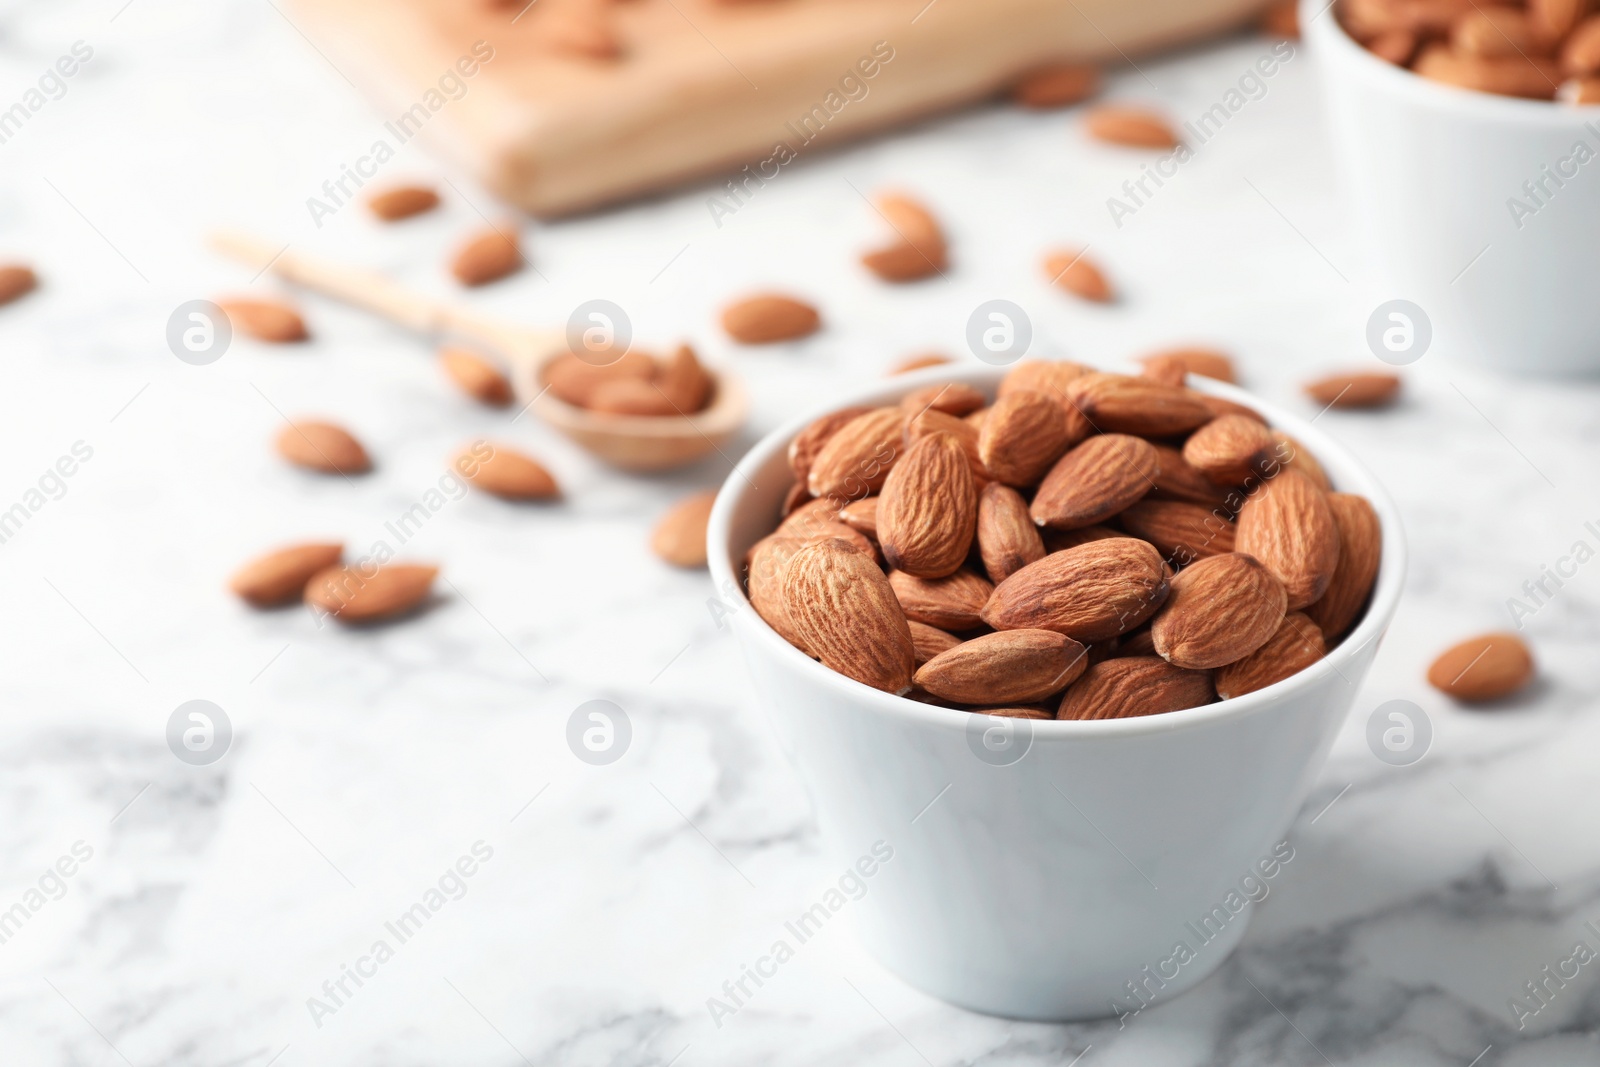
(1541, 49)
(1085, 546)
(634, 384)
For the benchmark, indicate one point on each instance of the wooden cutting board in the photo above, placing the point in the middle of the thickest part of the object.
(703, 87)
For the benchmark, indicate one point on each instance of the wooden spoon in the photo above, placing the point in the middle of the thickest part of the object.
(631, 442)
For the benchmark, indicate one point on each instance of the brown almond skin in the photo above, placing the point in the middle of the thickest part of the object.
(765, 565)
(362, 594)
(1176, 480)
(843, 607)
(1095, 481)
(1057, 85)
(402, 201)
(927, 423)
(575, 380)
(1022, 437)
(1281, 19)
(798, 494)
(1360, 551)
(1075, 273)
(1495, 31)
(1358, 390)
(1120, 403)
(950, 603)
(855, 461)
(685, 382)
(1131, 686)
(905, 262)
(1206, 362)
(809, 441)
(632, 396)
(680, 536)
(929, 641)
(1486, 667)
(1049, 377)
(486, 256)
(769, 317)
(1229, 449)
(910, 220)
(266, 320)
(1090, 593)
(280, 577)
(861, 516)
(1296, 645)
(1534, 77)
(1290, 453)
(1580, 55)
(919, 362)
(476, 376)
(1132, 127)
(1289, 527)
(505, 472)
(16, 281)
(323, 447)
(1012, 667)
(928, 510)
(1553, 19)
(1220, 610)
(821, 518)
(1007, 537)
(952, 398)
(1182, 532)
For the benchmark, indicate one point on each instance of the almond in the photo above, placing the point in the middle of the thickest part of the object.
(976, 419)
(1220, 610)
(1360, 548)
(1007, 537)
(918, 249)
(861, 516)
(920, 361)
(1164, 369)
(1359, 390)
(1554, 19)
(476, 376)
(765, 566)
(1025, 711)
(16, 281)
(280, 576)
(1281, 18)
(1014, 666)
(856, 459)
(1534, 77)
(929, 422)
(1580, 55)
(1395, 46)
(1289, 527)
(1229, 449)
(402, 201)
(1296, 645)
(575, 380)
(1095, 481)
(1219, 406)
(1074, 272)
(265, 320)
(1139, 642)
(929, 641)
(1131, 126)
(809, 441)
(1131, 686)
(322, 446)
(1090, 593)
(1486, 667)
(950, 603)
(1022, 437)
(578, 28)
(485, 257)
(1119, 403)
(769, 317)
(911, 220)
(505, 472)
(1289, 453)
(928, 509)
(1176, 480)
(1182, 532)
(843, 607)
(632, 396)
(365, 592)
(1495, 31)
(1057, 85)
(952, 398)
(680, 537)
(798, 494)
(1042, 376)
(904, 262)
(685, 384)
(810, 524)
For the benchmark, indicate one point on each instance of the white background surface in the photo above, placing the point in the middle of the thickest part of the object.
(365, 763)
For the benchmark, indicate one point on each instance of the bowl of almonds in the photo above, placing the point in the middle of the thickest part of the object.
(1465, 132)
(1074, 644)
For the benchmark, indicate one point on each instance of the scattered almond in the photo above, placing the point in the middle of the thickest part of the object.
(680, 536)
(505, 472)
(1359, 390)
(1057, 85)
(920, 361)
(476, 376)
(1486, 667)
(1076, 273)
(1014, 666)
(365, 592)
(280, 576)
(843, 607)
(769, 317)
(265, 320)
(1130, 686)
(322, 446)
(918, 248)
(487, 256)
(402, 201)
(1134, 127)
(16, 281)
(1296, 645)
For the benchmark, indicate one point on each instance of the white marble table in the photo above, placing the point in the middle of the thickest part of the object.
(215, 901)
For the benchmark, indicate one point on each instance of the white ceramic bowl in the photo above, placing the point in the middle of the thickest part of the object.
(1432, 172)
(1037, 888)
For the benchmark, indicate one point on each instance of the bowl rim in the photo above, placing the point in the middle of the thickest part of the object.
(1352, 476)
(1328, 38)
